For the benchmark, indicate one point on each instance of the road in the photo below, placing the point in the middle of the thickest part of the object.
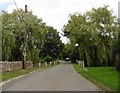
(62, 77)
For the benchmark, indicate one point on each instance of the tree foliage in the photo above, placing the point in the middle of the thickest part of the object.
(94, 31)
(13, 34)
(116, 54)
(52, 44)
(37, 35)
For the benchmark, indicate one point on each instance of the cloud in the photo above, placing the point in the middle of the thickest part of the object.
(4, 4)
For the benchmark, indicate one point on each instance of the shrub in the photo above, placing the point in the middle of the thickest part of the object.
(48, 58)
(35, 57)
(42, 60)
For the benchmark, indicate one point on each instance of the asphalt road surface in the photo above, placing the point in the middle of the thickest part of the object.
(62, 77)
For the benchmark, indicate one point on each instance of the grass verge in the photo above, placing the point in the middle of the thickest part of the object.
(106, 78)
(9, 75)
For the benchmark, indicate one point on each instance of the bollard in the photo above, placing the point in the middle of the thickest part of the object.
(45, 63)
(50, 63)
(83, 64)
(54, 62)
(39, 64)
(79, 63)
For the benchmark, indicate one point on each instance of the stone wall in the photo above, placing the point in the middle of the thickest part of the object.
(6, 66)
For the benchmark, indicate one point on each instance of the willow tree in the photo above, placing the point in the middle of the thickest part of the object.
(8, 37)
(0, 37)
(95, 32)
(13, 34)
(116, 51)
(107, 29)
(81, 32)
(116, 54)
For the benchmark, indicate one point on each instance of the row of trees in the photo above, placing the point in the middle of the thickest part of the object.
(94, 33)
(42, 40)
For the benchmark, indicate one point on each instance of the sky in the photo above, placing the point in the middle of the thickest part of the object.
(55, 12)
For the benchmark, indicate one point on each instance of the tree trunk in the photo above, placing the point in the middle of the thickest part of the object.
(117, 64)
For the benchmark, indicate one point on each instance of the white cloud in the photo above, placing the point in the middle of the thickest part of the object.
(55, 12)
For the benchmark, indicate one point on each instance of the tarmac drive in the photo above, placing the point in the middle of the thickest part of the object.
(62, 77)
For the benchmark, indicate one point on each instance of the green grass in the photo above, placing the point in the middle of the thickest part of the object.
(8, 75)
(104, 77)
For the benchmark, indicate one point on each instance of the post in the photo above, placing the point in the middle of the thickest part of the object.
(83, 65)
(45, 63)
(54, 62)
(25, 38)
(39, 64)
(50, 63)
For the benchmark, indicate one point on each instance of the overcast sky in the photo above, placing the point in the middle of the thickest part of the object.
(55, 12)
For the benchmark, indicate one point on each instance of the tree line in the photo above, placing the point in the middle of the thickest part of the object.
(94, 38)
(94, 33)
(43, 42)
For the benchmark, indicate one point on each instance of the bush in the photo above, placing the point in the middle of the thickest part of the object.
(42, 60)
(57, 61)
(48, 58)
(35, 57)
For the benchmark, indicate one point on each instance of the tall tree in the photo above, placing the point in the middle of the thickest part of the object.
(107, 29)
(52, 45)
(13, 34)
(8, 37)
(116, 54)
(95, 32)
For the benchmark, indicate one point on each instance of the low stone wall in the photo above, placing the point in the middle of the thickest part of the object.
(6, 66)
